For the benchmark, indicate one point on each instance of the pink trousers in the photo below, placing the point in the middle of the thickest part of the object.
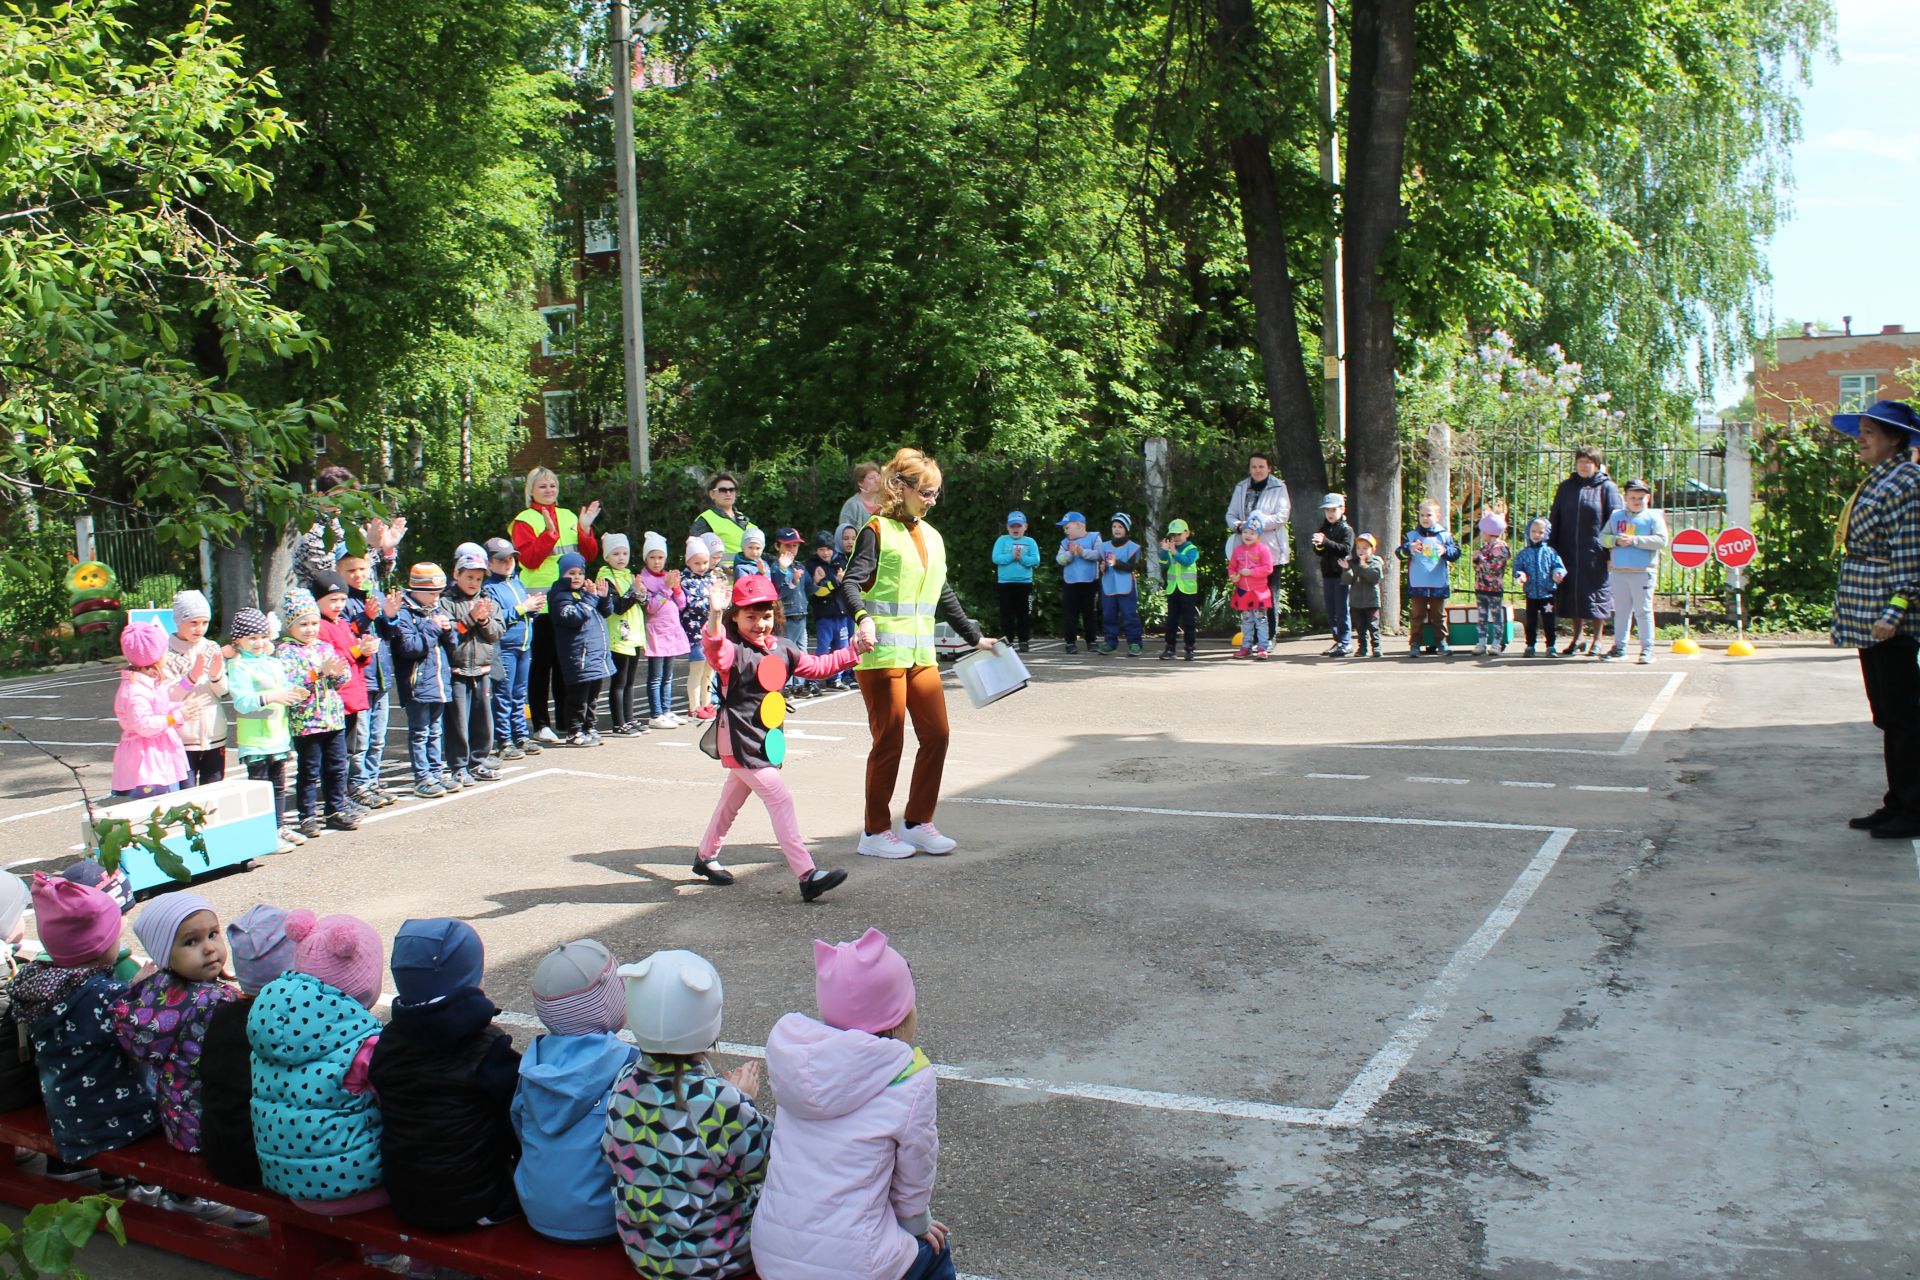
(772, 790)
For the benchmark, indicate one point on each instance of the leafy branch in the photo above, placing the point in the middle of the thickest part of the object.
(112, 837)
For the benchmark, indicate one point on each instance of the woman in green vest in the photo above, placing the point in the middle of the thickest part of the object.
(723, 491)
(894, 585)
(541, 534)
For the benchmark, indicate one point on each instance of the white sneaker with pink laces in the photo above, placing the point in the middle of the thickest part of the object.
(927, 839)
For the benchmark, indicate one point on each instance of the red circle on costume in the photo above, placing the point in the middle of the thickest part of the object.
(773, 711)
(775, 747)
(772, 673)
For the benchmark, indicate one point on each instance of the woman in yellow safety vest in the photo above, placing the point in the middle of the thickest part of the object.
(894, 585)
(719, 519)
(541, 534)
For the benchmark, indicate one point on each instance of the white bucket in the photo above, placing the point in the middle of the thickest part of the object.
(989, 677)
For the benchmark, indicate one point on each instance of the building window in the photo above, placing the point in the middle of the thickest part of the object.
(600, 230)
(561, 424)
(1858, 390)
(560, 322)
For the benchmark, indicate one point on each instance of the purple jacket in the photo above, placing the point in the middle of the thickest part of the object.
(855, 1148)
(666, 638)
(161, 1023)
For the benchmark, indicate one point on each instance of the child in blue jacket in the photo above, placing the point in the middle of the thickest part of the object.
(517, 607)
(580, 609)
(1428, 549)
(1014, 556)
(1538, 569)
(367, 748)
(1119, 585)
(566, 1082)
(423, 642)
(1079, 559)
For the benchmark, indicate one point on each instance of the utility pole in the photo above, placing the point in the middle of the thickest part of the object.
(632, 325)
(1333, 320)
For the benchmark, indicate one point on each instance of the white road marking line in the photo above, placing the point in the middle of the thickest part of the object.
(814, 737)
(1587, 787)
(1257, 817)
(1916, 855)
(37, 813)
(1544, 786)
(1385, 1066)
(1451, 747)
(54, 742)
(22, 697)
(1445, 782)
(1342, 777)
(1637, 737)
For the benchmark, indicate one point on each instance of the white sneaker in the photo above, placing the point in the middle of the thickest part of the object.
(885, 844)
(545, 734)
(1480, 649)
(289, 836)
(1646, 659)
(927, 839)
(667, 721)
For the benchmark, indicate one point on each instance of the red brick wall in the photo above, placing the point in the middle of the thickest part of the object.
(1809, 370)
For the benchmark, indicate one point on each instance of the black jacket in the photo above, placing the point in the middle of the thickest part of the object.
(226, 1097)
(1338, 546)
(446, 1077)
(19, 1074)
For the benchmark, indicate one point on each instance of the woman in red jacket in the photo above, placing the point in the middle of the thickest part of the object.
(541, 535)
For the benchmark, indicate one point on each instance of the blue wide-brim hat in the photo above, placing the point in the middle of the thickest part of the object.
(1891, 412)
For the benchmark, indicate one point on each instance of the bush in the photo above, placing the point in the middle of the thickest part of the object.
(33, 592)
(1801, 486)
(156, 590)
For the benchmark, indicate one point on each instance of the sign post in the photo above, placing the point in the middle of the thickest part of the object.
(1735, 549)
(1691, 548)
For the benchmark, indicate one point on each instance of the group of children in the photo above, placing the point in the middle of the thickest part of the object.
(257, 1046)
(1100, 583)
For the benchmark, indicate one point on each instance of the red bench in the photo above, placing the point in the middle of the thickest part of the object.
(297, 1244)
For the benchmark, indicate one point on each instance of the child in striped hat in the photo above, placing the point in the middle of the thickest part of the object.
(560, 1108)
(319, 720)
(257, 682)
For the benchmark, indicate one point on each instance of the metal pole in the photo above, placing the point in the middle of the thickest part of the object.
(632, 326)
(1333, 326)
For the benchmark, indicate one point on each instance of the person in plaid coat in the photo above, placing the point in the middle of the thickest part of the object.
(1879, 545)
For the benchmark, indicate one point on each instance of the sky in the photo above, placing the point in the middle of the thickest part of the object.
(1852, 246)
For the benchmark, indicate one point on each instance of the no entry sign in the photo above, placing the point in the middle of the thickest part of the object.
(1691, 548)
(1734, 547)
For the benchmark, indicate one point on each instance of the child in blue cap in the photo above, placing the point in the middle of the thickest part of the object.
(446, 1077)
(1014, 555)
(1080, 562)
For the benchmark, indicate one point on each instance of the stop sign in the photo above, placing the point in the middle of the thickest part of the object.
(1691, 548)
(1734, 547)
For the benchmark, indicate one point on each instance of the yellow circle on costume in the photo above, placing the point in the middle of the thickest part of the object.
(773, 711)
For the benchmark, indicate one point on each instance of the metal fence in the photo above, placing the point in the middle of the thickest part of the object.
(133, 549)
(1689, 487)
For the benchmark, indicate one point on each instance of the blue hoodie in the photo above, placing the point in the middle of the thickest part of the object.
(509, 595)
(1539, 561)
(1427, 576)
(560, 1115)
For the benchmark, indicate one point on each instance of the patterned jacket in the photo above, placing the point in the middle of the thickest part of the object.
(687, 1169)
(1880, 564)
(94, 1099)
(161, 1023)
(317, 1133)
(323, 712)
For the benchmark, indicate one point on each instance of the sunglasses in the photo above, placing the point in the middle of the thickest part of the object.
(724, 488)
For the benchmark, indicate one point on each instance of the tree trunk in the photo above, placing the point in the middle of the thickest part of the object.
(466, 439)
(1296, 434)
(1379, 94)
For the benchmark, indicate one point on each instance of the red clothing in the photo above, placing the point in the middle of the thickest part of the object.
(1251, 566)
(534, 548)
(339, 635)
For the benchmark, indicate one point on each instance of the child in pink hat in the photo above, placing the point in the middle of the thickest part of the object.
(151, 759)
(95, 1100)
(855, 1140)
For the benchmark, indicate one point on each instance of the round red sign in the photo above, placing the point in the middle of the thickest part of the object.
(1735, 547)
(1691, 548)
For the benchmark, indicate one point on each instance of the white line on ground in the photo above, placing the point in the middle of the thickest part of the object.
(38, 813)
(1446, 782)
(1916, 855)
(1637, 737)
(1257, 817)
(1543, 786)
(1385, 1066)
(53, 742)
(1582, 786)
(22, 697)
(1342, 777)
(815, 737)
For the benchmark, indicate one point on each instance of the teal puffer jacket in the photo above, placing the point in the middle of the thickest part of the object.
(316, 1140)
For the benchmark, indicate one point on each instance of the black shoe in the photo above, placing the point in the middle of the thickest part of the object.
(713, 872)
(1073, 648)
(1167, 656)
(1023, 646)
(343, 822)
(1901, 826)
(1874, 819)
(817, 882)
(1189, 655)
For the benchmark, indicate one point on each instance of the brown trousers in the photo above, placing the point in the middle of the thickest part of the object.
(893, 696)
(1422, 609)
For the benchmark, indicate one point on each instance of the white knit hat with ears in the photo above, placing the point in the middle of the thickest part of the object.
(674, 1001)
(651, 543)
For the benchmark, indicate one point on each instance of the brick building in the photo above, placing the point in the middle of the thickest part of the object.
(1823, 373)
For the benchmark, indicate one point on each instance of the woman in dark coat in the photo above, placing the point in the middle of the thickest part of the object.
(1580, 509)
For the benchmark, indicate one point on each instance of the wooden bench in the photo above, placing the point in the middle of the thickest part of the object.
(297, 1244)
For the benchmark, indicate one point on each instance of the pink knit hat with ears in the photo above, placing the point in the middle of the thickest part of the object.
(143, 643)
(341, 951)
(862, 986)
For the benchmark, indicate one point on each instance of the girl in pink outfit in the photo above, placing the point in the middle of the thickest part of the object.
(151, 759)
(1251, 565)
(666, 635)
(743, 641)
(856, 1140)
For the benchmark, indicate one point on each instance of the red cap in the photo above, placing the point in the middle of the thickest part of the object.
(753, 588)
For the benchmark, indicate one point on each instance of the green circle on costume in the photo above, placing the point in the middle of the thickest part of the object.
(773, 711)
(776, 746)
(772, 674)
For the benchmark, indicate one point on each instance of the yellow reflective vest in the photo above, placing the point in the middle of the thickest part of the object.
(904, 595)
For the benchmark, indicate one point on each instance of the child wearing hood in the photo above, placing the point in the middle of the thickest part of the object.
(1119, 585)
(832, 628)
(19, 1079)
(446, 1077)
(566, 1084)
(743, 643)
(856, 1141)
(316, 1122)
(94, 1098)
(626, 632)
(585, 658)
(423, 642)
(687, 1147)
(193, 658)
(150, 759)
(697, 582)
(1538, 569)
(260, 951)
(666, 638)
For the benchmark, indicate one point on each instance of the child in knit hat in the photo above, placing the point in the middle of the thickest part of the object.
(260, 951)
(317, 722)
(446, 1077)
(583, 654)
(626, 632)
(855, 1139)
(560, 1108)
(332, 595)
(316, 1122)
(666, 638)
(116, 886)
(517, 607)
(257, 682)
(150, 759)
(687, 1147)
(189, 651)
(423, 642)
(94, 1097)
(477, 628)
(697, 583)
